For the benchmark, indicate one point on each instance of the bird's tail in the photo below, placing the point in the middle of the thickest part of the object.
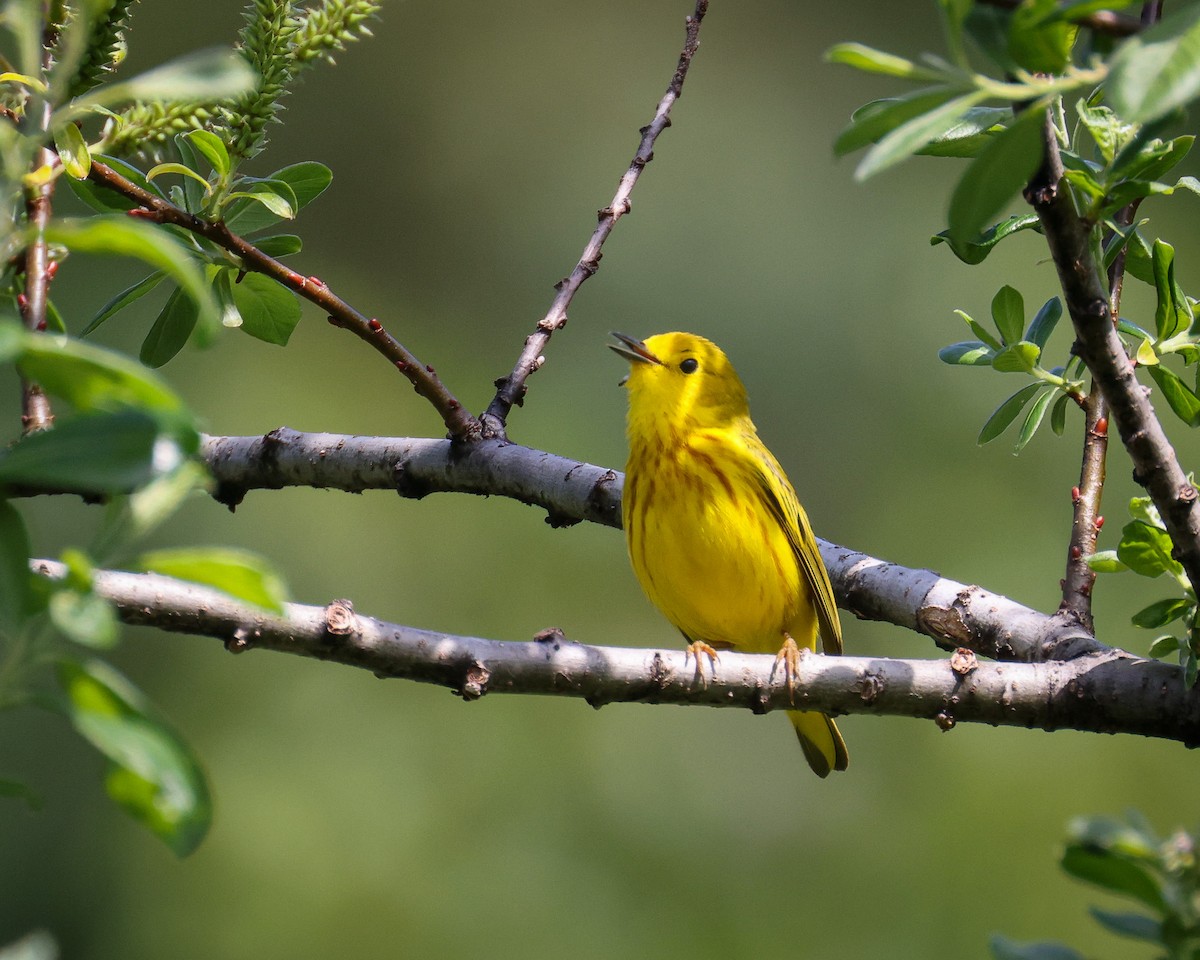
(823, 746)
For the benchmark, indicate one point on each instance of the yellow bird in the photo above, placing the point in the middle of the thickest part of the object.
(715, 532)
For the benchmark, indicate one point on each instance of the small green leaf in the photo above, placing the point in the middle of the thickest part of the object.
(192, 194)
(280, 245)
(1163, 647)
(308, 181)
(269, 312)
(153, 775)
(1008, 313)
(870, 60)
(103, 200)
(1162, 612)
(1158, 70)
(16, 595)
(1167, 317)
(181, 169)
(1105, 127)
(238, 573)
(171, 330)
(123, 299)
(84, 617)
(1004, 949)
(1044, 322)
(87, 453)
(92, 378)
(967, 137)
(1180, 398)
(1019, 357)
(275, 195)
(968, 353)
(72, 151)
(975, 251)
(979, 331)
(214, 150)
(1111, 872)
(902, 142)
(1106, 561)
(1033, 420)
(1039, 40)
(1003, 167)
(1146, 550)
(1006, 413)
(122, 236)
(1058, 415)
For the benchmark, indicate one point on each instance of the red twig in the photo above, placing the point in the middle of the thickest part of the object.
(510, 389)
(422, 376)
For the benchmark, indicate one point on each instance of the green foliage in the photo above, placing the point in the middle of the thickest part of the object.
(1126, 859)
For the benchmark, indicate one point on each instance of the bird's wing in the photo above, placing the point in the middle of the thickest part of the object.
(783, 503)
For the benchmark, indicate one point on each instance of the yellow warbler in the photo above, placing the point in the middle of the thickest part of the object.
(715, 532)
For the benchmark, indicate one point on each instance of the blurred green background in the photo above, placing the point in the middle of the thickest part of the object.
(471, 144)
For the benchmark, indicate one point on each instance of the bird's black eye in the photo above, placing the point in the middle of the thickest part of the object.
(690, 365)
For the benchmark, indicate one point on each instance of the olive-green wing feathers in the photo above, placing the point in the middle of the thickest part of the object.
(783, 503)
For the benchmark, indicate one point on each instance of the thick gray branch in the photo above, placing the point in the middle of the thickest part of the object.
(954, 614)
(1103, 692)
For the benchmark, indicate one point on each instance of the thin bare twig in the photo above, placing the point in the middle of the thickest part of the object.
(953, 614)
(510, 389)
(1085, 291)
(1104, 692)
(425, 381)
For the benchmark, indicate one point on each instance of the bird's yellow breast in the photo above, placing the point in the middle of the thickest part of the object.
(707, 552)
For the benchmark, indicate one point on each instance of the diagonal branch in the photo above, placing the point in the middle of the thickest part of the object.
(953, 614)
(1104, 692)
(424, 379)
(510, 389)
(1155, 464)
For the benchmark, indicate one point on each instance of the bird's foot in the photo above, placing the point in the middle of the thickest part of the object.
(698, 649)
(789, 656)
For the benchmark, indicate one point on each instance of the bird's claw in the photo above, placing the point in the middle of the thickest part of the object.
(789, 655)
(697, 649)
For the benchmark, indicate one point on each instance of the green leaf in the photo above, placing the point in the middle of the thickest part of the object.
(976, 250)
(1162, 612)
(1106, 561)
(967, 137)
(238, 573)
(193, 193)
(72, 151)
(1058, 415)
(1107, 129)
(275, 195)
(1004, 949)
(1135, 925)
(870, 60)
(979, 331)
(1137, 259)
(200, 77)
(182, 169)
(124, 299)
(153, 775)
(1163, 647)
(92, 378)
(998, 174)
(1172, 313)
(87, 453)
(902, 142)
(1157, 71)
(1033, 420)
(171, 330)
(968, 353)
(1191, 670)
(1145, 157)
(1143, 508)
(1146, 550)
(269, 312)
(16, 595)
(1179, 396)
(125, 237)
(1008, 313)
(84, 617)
(1113, 873)
(1006, 413)
(103, 200)
(1020, 357)
(214, 150)
(1044, 322)
(280, 245)
(308, 181)
(1037, 39)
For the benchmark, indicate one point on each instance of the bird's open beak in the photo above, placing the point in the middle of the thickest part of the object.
(632, 350)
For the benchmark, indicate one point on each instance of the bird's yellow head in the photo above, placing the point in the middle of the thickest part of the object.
(680, 382)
